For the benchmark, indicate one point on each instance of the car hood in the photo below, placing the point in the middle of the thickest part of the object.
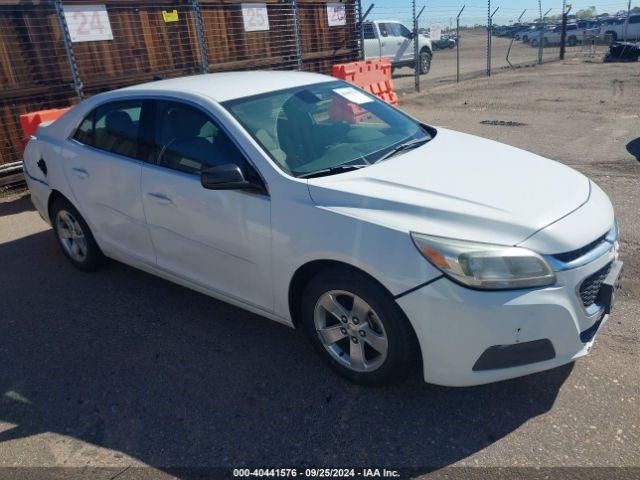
(458, 186)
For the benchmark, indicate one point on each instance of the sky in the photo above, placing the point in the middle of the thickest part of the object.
(445, 11)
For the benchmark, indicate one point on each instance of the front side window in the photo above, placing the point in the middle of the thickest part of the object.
(187, 139)
(322, 126)
(404, 31)
(393, 29)
(635, 19)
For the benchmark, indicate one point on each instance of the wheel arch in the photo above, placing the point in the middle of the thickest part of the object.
(306, 272)
(53, 196)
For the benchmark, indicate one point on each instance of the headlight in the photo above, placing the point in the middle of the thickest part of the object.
(483, 265)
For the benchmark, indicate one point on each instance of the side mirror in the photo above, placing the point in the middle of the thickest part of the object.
(226, 177)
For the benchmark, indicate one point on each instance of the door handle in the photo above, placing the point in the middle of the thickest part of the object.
(80, 172)
(160, 198)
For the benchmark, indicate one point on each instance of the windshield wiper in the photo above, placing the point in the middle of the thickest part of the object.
(333, 170)
(403, 147)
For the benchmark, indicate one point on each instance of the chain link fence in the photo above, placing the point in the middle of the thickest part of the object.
(483, 38)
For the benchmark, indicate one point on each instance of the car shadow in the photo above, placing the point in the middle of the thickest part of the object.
(633, 147)
(18, 205)
(127, 361)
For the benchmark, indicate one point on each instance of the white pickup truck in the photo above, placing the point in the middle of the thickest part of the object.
(392, 39)
(627, 29)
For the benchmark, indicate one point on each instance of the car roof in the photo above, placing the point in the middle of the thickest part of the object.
(232, 85)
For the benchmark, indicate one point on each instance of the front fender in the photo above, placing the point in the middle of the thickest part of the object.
(305, 233)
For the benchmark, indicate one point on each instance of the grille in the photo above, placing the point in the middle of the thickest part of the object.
(572, 255)
(591, 286)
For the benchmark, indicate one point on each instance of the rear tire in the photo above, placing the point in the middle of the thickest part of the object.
(425, 61)
(358, 329)
(572, 41)
(534, 43)
(75, 237)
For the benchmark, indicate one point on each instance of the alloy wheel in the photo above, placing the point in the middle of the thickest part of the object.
(71, 236)
(350, 331)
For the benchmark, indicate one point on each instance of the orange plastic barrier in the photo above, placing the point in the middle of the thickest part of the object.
(30, 121)
(371, 75)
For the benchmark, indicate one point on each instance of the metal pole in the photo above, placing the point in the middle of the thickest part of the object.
(361, 21)
(563, 33)
(488, 38)
(521, 15)
(360, 29)
(540, 30)
(626, 23)
(204, 55)
(458, 44)
(416, 54)
(296, 29)
(68, 48)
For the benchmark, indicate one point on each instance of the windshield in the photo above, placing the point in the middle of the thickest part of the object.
(323, 126)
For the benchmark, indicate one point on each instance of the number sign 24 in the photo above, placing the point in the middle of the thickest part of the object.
(88, 23)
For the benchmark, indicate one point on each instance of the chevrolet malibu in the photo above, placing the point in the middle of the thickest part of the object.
(392, 243)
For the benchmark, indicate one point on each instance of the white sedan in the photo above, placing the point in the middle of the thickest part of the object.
(394, 244)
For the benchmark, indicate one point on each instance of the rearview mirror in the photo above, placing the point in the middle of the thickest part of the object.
(226, 177)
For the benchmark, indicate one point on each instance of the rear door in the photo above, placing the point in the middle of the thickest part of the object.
(103, 164)
(217, 239)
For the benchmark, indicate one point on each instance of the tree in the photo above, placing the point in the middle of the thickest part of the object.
(586, 13)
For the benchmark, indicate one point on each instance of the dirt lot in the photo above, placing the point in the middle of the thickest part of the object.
(119, 368)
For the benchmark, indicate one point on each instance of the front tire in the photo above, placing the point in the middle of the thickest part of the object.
(425, 61)
(357, 328)
(75, 237)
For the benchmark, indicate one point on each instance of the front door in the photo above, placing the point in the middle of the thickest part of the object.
(218, 239)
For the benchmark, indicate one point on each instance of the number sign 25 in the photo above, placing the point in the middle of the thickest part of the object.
(255, 17)
(88, 23)
(336, 14)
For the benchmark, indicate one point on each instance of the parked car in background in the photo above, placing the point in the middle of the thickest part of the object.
(445, 42)
(392, 39)
(623, 29)
(528, 33)
(315, 204)
(577, 33)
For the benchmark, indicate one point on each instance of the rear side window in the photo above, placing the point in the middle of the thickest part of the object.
(368, 31)
(115, 127)
(635, 19)
(84, 133)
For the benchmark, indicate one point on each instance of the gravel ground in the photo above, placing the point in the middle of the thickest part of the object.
(120, 369)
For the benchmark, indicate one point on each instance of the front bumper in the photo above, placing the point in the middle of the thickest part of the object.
(456, 325)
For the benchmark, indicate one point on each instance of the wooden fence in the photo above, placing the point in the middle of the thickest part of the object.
(154, 39)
